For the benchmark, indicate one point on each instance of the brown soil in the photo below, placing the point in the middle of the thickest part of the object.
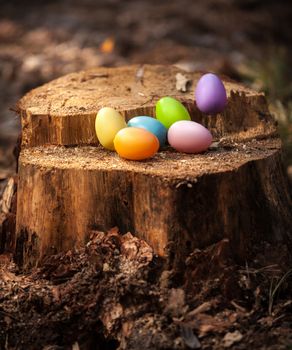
(115, 286)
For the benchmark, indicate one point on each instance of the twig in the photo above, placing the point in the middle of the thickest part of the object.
(4, 313)
(273, 291)
(268, 268)
(238, 307)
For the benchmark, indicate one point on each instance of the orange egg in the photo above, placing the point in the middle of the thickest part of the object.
(135, 143)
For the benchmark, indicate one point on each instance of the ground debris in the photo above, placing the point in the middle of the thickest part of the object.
(176, 302)
(60, 305)
(231, 338)
(190, 338)
(115, 294)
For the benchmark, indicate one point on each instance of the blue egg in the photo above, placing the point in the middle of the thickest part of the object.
(151, 124)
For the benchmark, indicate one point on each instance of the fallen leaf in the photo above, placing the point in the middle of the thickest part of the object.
(205, 323)
(7, 276)
(231, 338)
(182, 82)
(135, 249)
(108, 45)
(110, 315)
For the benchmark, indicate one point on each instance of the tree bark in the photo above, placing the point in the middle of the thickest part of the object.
(176, 202)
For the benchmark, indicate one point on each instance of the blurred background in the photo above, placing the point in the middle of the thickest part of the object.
(248, 40)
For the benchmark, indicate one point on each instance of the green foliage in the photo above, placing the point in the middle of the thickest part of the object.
(273, 75)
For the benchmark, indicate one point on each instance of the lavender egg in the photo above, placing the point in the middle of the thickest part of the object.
(210, 94)
(189, 137)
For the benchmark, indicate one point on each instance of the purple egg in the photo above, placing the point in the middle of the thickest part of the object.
(210, 94)
(189, 137)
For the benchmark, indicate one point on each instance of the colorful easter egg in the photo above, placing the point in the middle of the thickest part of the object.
(210, 94)
(151, 124)
(136, 143)
(189, 137)
(107, 123)
(170, 110)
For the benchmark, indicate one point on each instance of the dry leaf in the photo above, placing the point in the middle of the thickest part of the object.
(7, 276)
(182, 82)
(231, 338)
(108, 45)
(110, 315)
(135, 249)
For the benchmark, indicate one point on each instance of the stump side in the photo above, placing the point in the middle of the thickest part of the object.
(205, 198)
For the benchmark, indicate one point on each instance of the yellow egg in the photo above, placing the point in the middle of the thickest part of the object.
(136, 144)
(107, 123)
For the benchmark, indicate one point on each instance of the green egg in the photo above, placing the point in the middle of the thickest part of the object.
(170, 110)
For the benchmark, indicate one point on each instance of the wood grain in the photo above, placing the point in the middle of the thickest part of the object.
(63, 111)
(69, 185)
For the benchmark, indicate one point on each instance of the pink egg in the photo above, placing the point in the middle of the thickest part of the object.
(189, 137)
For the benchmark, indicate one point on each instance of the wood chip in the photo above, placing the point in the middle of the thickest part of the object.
(201, 308)
(140, 74)
(7, 196)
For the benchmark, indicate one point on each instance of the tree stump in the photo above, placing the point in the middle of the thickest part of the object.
(69, 185)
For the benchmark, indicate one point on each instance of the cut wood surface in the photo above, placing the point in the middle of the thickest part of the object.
(63, 111)
(175, 201)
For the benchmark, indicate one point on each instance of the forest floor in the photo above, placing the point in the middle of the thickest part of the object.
(64, 304)
(115, 293)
